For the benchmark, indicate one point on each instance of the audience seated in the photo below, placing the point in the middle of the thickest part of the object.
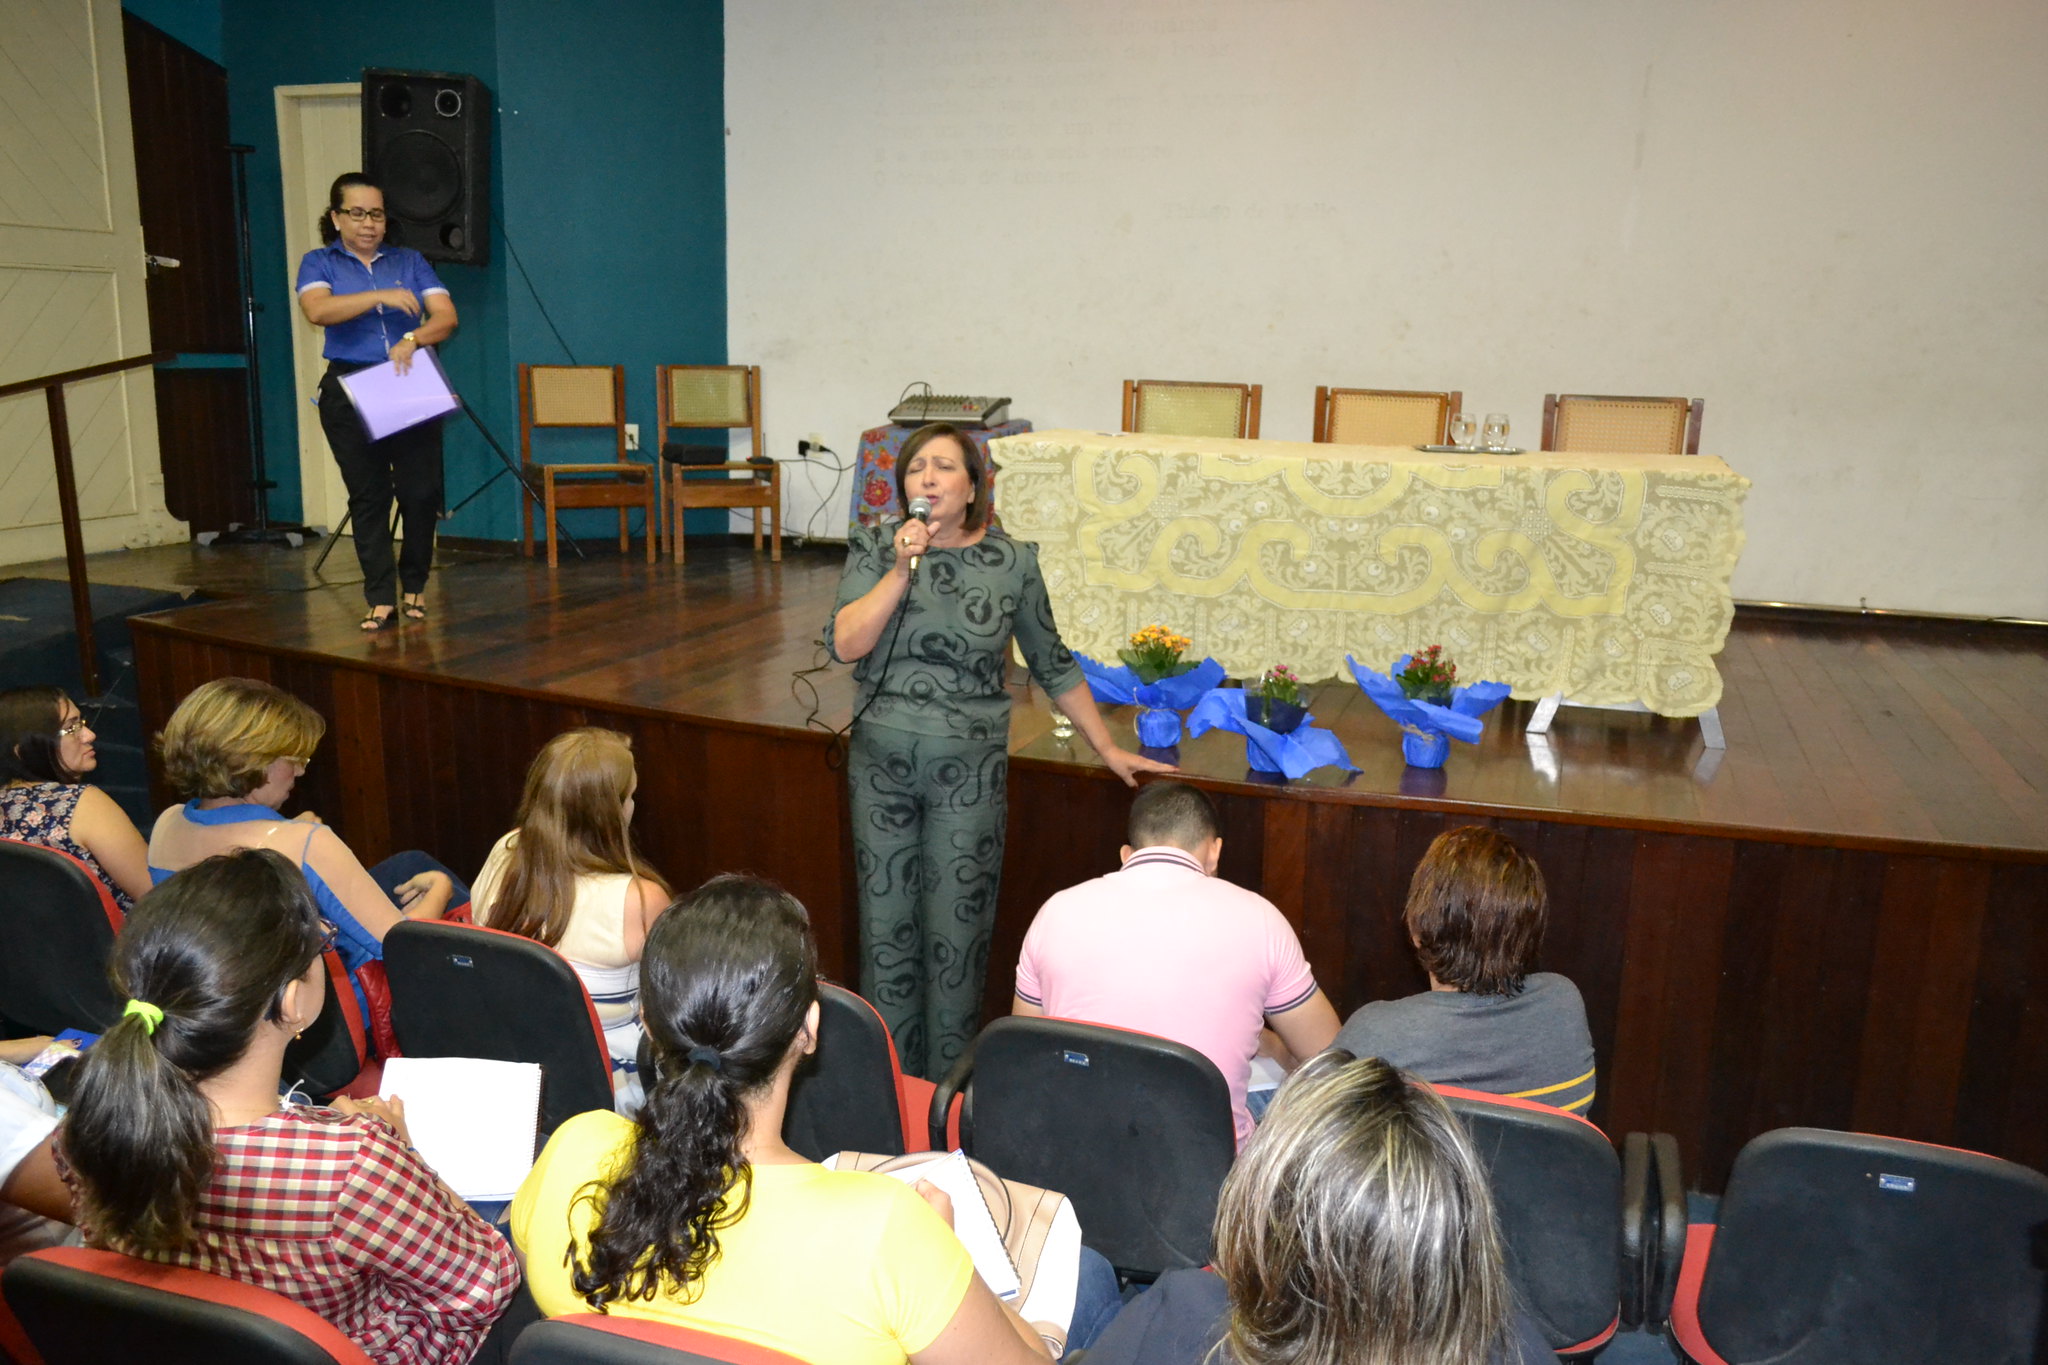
(35, 1206)
(179, 1149)
(697, 1212)
(1164, 946)
(233, 749)
(1356, 1226)
(1489, 1021)
(46, 750)
(569, 876)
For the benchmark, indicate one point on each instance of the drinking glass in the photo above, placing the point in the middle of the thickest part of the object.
(1462, 427)
(1062, 728)
(1495, 432)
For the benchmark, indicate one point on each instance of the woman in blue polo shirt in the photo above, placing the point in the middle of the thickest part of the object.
(377, 303)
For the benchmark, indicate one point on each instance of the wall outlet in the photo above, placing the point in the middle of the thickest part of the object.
(817, 441)
(632, 435)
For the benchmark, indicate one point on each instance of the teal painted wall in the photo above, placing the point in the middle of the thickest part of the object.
(608, 177)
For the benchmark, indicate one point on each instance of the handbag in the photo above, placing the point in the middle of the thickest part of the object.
(1039, 1231)
(376, 989)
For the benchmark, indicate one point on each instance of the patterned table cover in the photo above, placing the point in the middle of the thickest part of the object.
(874, 476)
(1605, 577)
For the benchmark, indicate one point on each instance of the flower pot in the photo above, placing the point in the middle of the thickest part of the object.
(1425, 751)
(1158, 727)
(1256, 759)
(1281, 717)
(1435, 696)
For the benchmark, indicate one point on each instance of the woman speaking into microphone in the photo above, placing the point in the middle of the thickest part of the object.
(926, 611)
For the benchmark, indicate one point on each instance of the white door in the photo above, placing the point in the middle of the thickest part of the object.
(71, 282)
(319, 136)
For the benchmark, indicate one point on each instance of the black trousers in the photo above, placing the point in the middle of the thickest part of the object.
(406, 463)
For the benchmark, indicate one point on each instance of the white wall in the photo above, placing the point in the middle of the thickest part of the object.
(1827, 217)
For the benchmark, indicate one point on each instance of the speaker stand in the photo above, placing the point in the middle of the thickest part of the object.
(508, 466)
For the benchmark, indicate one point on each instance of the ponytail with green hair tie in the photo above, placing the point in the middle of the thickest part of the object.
(151, 1015)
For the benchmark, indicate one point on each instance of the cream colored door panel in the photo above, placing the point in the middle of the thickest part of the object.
(319, 136)
(53, 143)
(71, 281)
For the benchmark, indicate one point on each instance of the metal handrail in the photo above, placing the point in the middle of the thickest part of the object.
(52, 386)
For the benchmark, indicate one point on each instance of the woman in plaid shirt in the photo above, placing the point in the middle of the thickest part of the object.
(180, 1151)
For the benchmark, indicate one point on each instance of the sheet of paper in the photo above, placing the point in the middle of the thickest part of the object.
(389, 401)
(973, 1224)
(473, 1121)
(1266, 1074)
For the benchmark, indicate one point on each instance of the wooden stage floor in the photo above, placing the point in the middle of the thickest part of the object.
(1841, 919)
(1879, 735)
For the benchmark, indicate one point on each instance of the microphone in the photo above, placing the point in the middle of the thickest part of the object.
(920, 510)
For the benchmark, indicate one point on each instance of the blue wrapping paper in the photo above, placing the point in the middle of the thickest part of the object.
(1294, 755)
(1460, 720)
(1117, 685)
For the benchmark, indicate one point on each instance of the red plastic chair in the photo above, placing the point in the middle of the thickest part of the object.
(1134, 1129)
(462, 990)
(1557, 1190)
(59, 922)
(333, 1055)
(851, 1094)
(81, 1307)
(1839, 1248)
(610, 1339)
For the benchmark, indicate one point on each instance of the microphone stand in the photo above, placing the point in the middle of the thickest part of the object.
(508, 466)
(263, 532)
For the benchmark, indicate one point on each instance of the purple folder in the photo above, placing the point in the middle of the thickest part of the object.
(389, 401)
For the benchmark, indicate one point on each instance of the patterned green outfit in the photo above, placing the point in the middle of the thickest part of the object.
(928, 772)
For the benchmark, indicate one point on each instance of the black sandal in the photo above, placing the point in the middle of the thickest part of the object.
(414, 611)
(372, 622)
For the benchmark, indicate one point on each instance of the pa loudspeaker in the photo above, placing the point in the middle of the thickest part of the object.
(427, 144)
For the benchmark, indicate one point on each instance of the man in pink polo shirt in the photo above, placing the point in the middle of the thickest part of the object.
(1165, 947)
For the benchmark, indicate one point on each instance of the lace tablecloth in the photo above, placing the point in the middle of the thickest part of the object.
(1604, 577)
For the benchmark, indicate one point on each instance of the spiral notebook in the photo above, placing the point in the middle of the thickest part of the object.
(973, 1224)
(476, 1122)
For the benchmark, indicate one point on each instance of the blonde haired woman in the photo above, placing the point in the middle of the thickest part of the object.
(234, 749)
(1357, 1228)
(569, 876)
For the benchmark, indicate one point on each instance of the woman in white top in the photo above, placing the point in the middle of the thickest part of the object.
(569, 877)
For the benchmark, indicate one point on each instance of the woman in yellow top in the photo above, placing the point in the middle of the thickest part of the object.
(697, 1213)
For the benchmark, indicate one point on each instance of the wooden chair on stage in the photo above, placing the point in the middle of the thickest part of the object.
(1620, 425)
(590, 396)
(721, 398)
(1385, 417)
(1174, 407)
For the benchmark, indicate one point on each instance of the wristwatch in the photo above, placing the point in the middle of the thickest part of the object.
(410, 337)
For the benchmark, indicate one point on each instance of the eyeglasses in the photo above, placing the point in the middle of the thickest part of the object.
(360, 214)
(66, 731)
(328, 934)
